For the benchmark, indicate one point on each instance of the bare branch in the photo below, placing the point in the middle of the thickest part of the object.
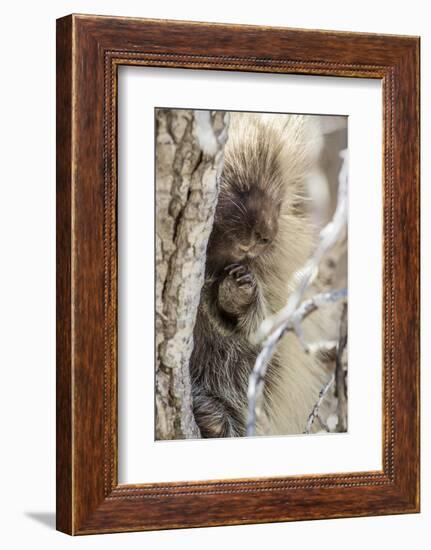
(294, 312)
(256, 381)
(340, 374)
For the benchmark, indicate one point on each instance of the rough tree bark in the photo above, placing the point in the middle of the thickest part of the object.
(189, 157)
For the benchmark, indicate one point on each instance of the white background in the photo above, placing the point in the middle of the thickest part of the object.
(141, 458)
(27, 123)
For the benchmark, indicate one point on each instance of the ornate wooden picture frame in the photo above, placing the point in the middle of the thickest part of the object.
(89, 51)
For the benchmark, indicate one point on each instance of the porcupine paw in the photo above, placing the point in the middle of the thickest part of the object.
(237, 291)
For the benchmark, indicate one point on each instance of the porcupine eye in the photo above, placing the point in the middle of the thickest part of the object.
(262, 239)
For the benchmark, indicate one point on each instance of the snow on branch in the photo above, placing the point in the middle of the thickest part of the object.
(294, 312)
(207, 136)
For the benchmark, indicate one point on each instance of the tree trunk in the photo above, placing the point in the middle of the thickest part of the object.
(189, 157)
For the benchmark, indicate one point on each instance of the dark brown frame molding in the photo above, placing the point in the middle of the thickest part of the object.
(89, 51)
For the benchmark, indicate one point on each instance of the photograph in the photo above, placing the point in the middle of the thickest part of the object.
(215, 265)
(266, 246)
(237, 272)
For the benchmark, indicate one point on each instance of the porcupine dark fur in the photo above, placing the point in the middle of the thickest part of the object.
(261, 236)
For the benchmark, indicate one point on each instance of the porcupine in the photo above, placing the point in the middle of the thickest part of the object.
(261, 236)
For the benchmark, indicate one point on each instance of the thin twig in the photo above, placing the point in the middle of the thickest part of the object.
(322, 423)
(315, 411)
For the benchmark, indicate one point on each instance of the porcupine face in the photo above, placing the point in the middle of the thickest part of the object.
(245, 226)
(259, 187)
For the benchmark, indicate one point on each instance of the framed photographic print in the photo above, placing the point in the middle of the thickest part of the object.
(237, 274)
